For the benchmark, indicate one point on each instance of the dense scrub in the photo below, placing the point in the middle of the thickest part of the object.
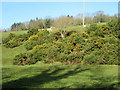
(13, 40)
(97, 44)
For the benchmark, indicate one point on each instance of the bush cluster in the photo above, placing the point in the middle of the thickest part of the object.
(13, 41)
(23, 59)
(96, 45)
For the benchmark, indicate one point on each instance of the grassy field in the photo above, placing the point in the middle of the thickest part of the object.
(55, 76)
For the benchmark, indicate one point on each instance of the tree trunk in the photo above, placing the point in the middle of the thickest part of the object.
(62, 35)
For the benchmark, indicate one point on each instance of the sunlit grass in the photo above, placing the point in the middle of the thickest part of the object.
(6, 34)
(9, 53)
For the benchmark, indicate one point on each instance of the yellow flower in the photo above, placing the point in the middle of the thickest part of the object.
(33, 37)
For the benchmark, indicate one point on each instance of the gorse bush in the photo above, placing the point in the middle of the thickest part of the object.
(38, 39)
(24, 59)
(11, 36)
(98, 44)
(32, 32)
(23, 36)
(20, 59)
(13, 40)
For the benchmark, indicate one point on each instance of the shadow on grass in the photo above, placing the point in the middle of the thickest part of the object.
(105, 81)
(54, 74)
(44, 77)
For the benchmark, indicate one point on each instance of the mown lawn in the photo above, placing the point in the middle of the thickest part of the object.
(60, 76)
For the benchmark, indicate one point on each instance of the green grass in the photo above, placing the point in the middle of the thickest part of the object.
(5, 34)
(9, 53)
(60, 76)
(76, 28)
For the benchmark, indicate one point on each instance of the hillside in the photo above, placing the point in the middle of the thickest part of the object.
(66, 72)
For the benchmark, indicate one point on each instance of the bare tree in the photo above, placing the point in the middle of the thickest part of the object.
(62, 23)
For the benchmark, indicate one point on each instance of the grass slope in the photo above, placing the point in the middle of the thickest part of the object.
(9, 53)
(6, 34)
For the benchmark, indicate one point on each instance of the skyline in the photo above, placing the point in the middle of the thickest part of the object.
(25, 11)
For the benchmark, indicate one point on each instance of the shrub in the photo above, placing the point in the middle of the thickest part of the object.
(96, 45)
(23, 59)
(13, 41)
(92, 58)
(29, 45)
(62, 58)
(23, 36)
(38, 39)
(55, 35)
(33, 38)
(45, 52)
(114, 27)
(11, 36)
(92, 27)
(20, 59)
(32, 32)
